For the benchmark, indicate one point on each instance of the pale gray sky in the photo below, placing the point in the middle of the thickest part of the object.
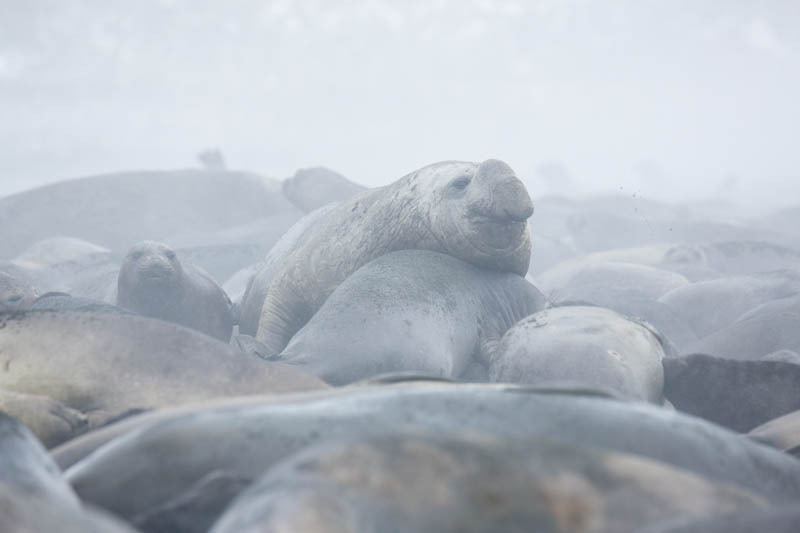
(669, 99)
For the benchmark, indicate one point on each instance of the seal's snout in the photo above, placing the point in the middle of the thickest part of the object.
(154, 267)
(511, 200)
(509, 196)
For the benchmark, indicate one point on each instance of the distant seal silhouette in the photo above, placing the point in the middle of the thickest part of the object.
(154, 282)
(475, 212)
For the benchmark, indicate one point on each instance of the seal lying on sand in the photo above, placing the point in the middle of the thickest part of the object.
(475, 212)
(154, 282)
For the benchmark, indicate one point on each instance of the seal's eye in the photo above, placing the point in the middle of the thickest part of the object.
(170, 255)
(136, 255)
(461, 183)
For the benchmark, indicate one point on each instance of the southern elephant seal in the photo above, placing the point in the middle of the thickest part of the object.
(109, 362)
(586, 344)
(413, 311)
(168, 459)
(475, 212)
(154, 282)
(471, 483)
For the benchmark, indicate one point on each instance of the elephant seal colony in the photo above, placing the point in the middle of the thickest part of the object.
(181, 352)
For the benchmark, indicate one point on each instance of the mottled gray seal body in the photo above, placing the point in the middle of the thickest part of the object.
(470, 483)
(154, 282)
(412, 310)
(110, 362)
(588, 344)
(475, 212)
(165, 460)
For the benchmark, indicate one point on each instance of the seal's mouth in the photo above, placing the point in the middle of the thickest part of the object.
(497, 235)
(154, 276)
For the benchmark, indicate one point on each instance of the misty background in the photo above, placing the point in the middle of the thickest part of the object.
(671, 100)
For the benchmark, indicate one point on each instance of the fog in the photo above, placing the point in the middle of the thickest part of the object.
(673, 100)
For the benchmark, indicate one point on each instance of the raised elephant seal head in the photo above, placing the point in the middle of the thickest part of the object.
(479, 213)
(150, 278)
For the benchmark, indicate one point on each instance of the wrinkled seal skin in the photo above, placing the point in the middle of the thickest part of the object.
(411, 311)
(475, 212)
(153, 282)
(166, 460)
(470, 483)
(258, 285)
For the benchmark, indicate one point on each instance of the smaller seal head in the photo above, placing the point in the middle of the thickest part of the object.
(150, 279)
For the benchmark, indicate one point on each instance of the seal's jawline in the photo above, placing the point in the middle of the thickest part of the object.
(486, 249)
